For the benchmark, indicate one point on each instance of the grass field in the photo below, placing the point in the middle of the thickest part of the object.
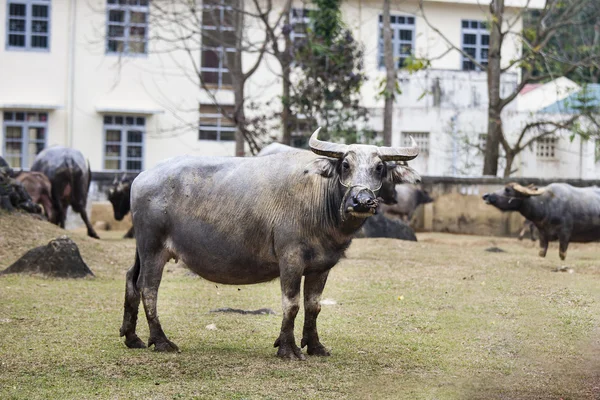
(437, 319)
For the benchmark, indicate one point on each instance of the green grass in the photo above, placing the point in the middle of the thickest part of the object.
(437, 319)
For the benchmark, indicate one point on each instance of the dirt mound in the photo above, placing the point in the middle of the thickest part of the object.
(60, 258)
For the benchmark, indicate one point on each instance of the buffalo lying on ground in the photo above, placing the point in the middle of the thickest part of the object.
(39, 188)
(408, 199)
(251, 220)
(559, 211)
(119, 196)
(70, 177)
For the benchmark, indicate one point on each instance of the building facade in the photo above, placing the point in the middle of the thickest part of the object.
(99, 76)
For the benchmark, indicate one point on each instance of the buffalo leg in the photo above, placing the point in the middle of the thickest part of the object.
(543, 244)
(532, 232)
(151, 274)
(90, 229)
(132, 304)
(313, 288)
(129, 234)
(563, 242)
(291, 279)
(522, 233)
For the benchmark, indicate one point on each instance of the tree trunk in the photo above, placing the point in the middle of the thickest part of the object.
(490, 162)
(390, 81)
(240, 118)
(510, 158)
(238, 81)
(286, 62)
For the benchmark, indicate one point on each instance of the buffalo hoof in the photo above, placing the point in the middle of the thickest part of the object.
(315, 349)
(93, 235)
(163, 345)
(542, 253)
(288, 350)
(562, 255)
(135, 342)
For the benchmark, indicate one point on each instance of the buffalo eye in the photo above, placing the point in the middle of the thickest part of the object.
(379, 168)
(345, 165)
(506, 190)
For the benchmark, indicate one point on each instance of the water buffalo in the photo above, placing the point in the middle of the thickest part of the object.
(119, 196)
(251, 220)
(39, 188)
(559, 211)
(408, 199)
(70, 177)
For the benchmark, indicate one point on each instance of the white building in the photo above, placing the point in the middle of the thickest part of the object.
(89, 75)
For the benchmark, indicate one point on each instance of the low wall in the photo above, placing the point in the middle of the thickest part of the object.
(458, 207)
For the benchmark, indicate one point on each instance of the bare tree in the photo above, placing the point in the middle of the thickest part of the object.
(194, 34)
(390, 80)
(554, 18)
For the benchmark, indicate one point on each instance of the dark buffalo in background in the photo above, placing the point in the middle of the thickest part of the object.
(70, 177)
(408, 199)
(244, 220)
(39, 188)
(559, 211)
(119, 196)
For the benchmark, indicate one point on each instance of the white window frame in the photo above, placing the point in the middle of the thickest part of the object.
(222, 52)
(124, 128)
(422, 139)
(218, 128)
(25, 125)
(29, 20)
(142, 6)
(299, 16)
(479, 29)
(546, 148)
(398, 23)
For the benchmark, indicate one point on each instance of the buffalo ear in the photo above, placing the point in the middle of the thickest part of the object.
(403, 174)
(321, 166)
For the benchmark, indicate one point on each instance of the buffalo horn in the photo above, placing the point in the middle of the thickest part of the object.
(327, 149)
(528, 191)
(399, 153)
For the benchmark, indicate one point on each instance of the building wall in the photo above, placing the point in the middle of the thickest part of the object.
(443, 101)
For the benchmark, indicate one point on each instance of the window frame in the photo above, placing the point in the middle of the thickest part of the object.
(25, 139)
(123, 143)
(303, 17)
(220, 51)
(542, 154)
(479, 32)
(397, 42)
(419, 137)
(127, 10)
(218, 128)
(28, 25)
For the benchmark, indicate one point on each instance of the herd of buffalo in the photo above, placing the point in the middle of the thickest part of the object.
(287, 214)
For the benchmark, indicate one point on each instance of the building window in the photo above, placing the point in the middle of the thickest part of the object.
(127, 27)
(300, 21)
(28, 25)
(124, 143)
(546, 148)
(218, 42)
(24, 136)
(214, 125)
(403, 38)
(301, 132)
(422, 139)
(476, 43)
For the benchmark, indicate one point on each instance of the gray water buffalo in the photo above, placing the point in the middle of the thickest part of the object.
(251, 220)
(119, 196)
(70, 177)
(408, 199)
(559, 211)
